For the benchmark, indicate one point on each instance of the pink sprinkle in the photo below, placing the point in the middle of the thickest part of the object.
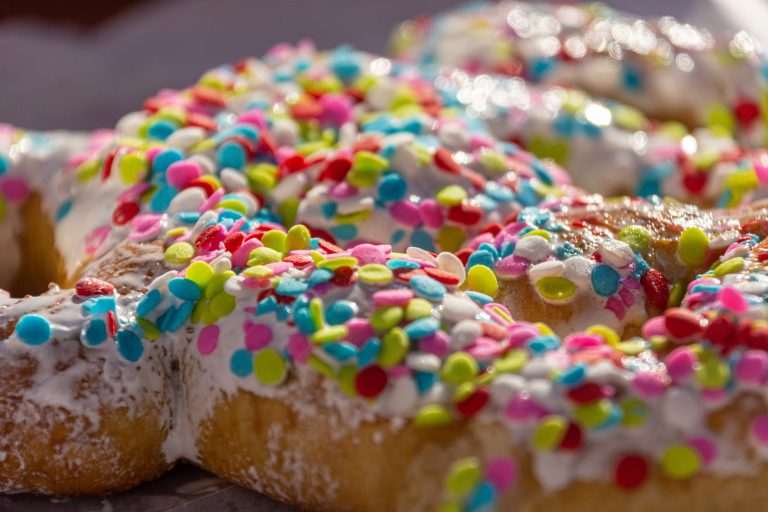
(254, 117)
(406, 213)
(484, 348)
(337, 109)
(431, 213)
(731, 299)
(399, 370)
(522, 408)
(133, 193)
(95, 238)
(257, 336)
(151, 153)
(760, 429)
(394, 297)
(616, 307)
(680, 363)
(279, 267)
(751, 368)
(208, 339)
(656, 326)
(512, 266)
(367, 253)
(240, 258)
(342, 190)
(494, 308)
(714, 396)
(705, 447)
(438, 344)
(519, 333)
(501, 473)
(14, 188)
(648, 384)
(761, 168)
(359, 331)
(578, 342)
(627, 297)
(212, 201)
(299, 348)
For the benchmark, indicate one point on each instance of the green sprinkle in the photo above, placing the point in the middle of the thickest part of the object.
(555, 288)
(693, 247)
(222, 304)
(179, 253)
(264, 256)
(317, 313)
(463, 477)
(269, 366)
(275, 240)
(200, 273)
(329, 333)
(132, 168)
(459, 367)
(347, 376)
(394, 347)
(637, 237)
(482, 279)
(321, 366)
(513, 362)
(592, 415)
(374, 273)
(298, 238)
(450, 238)
(451, 195)
(149, 330)
(680, 461)
(434, 415)
(730, 266)
(334, 263)
(386, 318)
(216, 284)
(635, 413)
(549, 433)
(418, 308)
(288, 209)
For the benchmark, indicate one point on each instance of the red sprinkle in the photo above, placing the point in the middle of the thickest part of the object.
(442, 276)
(445, 162)
(656, 288)
(329, 247)
(586, 393)
(208, 95)
(124, 212)
(573, 438)
(474, 403)
(298, 260)
(682, 323)
(494, 331)
(746, 112)
(631, 471)
(108, 161)
(206, 186)
(720, 330)
(371, 381)
(343, 276)
(367, 143)
(111, 323)
(209, 238)
(465, 214)
(464, 255)
(91, 287)
(337, 168)
(233, 241)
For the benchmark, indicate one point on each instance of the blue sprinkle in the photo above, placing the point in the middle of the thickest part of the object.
(590, 130)
(162, 198)
(573, 376)
(393, 264)
(605, 280)
(241, 363)
(304, 322)
(369, 352)
(482, 499)
(291, 287)
(63, 210)
(614, 418)
(542, 172)
(267, 305)
(486, 203)
(340, 312)
(428, 288)
(540, 67)
(397, 236)
(188, 217)
(564, 125)
(499, 192)
(344, 231)
(319, 276)
(424, 381)
(479, 298)
(328, 210)
(4, 165)
(184, 289)
(422, 328)
(542, 344)
(526, 194)
(283, 312)
(631, 78)
(164, 320)
(485, 246)
(231, 154)
(422, 240)
(95, 332)
(148, 303)
(33, 329)
(181, 315)
(129, 345)
(341, 351)
(565, 251)
(345, 63)
(392, 187)
(481, 257)
(165, 158)
(99, 305)
(161, 129)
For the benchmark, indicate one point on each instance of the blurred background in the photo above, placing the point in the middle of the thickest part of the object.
(82, 64)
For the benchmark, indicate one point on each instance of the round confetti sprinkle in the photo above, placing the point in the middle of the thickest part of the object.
(269, 366)
(463, 477)
(605, 280)
(33, 329)
(208, 339)
(427, 287)
(374, 273)
(637, 237)
(631, 471)
(680, 461)
(179, 253)
(482, 279)
(693, 247)
(371, 381)
(129, 345)
(555, 288)
(459, 367)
